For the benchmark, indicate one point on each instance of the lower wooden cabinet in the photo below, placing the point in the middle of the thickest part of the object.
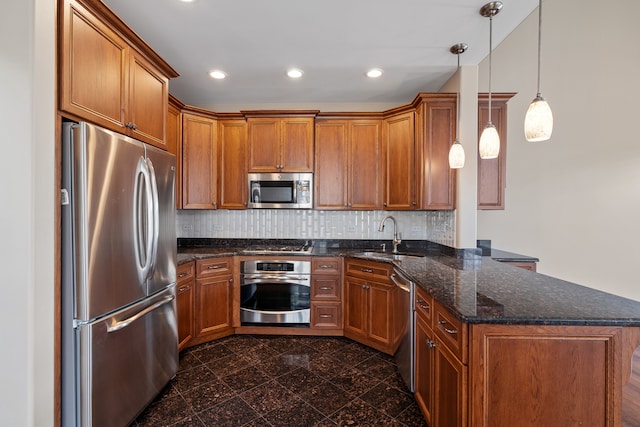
(326, 293)
(185, 303)
(534, 375)
(441, 376)
(369, 302)
(214, 279)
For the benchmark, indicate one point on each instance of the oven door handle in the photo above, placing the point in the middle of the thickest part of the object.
(273, 277)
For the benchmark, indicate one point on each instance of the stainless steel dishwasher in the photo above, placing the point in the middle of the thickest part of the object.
(404, 357)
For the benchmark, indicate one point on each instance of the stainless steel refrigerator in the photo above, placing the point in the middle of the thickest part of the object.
(119, 329)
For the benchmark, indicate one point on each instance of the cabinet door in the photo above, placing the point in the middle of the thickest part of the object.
(399, 162)
(554, 376)
(213, 304)
(424, 363)
(94, 69)
(265, 150)
(355, 308)
(297, 144)
(232, 161)
(184, 304)
(174, 146)
(331, 165)
(365, 179)
(199, 172)
(437, 122)
(492, 173)
(450, 393)
(148, 102)
(379, 313)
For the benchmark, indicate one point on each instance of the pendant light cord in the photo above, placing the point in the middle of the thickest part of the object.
(539, 42)
(458, 102)
(490, 49)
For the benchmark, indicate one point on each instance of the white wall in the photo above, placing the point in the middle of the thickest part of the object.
(574, 201)
(27, 192)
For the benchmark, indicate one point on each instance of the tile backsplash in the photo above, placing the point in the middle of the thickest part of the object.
(436, 226)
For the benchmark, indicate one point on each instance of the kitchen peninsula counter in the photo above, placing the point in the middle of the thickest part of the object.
(490, 292)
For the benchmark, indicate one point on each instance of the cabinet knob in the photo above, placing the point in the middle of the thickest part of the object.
(230, 281)
(384, 204)
(430, 343)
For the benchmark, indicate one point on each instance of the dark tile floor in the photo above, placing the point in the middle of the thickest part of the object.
(255, 380)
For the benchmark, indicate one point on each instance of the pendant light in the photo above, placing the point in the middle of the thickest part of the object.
(538, 122)
(489, 146)
(456, 152)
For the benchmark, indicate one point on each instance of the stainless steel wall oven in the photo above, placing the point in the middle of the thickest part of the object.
(275, 292)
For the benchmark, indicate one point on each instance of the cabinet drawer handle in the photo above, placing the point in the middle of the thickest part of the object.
(366, 270)
(184, 288)
(214, 267)
(442, 323)
(422, 306)
(325, 266)
(325, 288)
(325, 316)
(181, 275)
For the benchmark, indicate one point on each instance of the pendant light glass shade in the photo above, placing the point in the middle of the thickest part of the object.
(489, 146)
(456, 155)
(538, 122)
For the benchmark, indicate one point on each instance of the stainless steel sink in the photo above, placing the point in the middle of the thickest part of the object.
(387, 255)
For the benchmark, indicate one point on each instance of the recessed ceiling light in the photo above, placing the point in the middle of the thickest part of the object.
(217, 74)
(295, 73)
(374, 73)
(187, 1)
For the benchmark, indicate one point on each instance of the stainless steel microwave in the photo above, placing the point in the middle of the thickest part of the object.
(280, 190)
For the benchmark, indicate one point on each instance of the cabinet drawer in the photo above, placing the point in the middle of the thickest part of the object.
(423, 304)
(326, 315)
(326, 265)
(326, 288)
(211, 266)
(186, 271)
(451, 331)
(368, 269)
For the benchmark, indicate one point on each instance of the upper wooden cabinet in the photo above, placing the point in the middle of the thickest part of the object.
(435, 132)
(280, 144)
(106, 81)
(232, 164)
(199, 162)
(492, 173)
(347, 164)
(174, 142)
(399, 160)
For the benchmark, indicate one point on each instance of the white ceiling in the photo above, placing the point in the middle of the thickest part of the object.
(333, 41)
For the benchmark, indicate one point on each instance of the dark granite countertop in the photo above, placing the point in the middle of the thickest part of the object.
(488, 291)
(499, 255)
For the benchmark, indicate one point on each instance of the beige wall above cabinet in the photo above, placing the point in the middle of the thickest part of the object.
(492, 173)
(347, 164)
(106, 79)
(280, 144)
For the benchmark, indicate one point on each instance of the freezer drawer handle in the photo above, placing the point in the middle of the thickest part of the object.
(124, 323)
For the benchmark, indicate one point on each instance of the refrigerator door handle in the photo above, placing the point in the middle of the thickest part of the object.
(116, 326)
(143, 220)
(156, 216)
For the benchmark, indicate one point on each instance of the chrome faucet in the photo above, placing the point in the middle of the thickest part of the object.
(396, 241)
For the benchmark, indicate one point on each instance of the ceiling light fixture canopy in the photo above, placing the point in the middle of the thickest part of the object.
(489, 146)
(456, 152)
(538, 122)
(295, 73)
